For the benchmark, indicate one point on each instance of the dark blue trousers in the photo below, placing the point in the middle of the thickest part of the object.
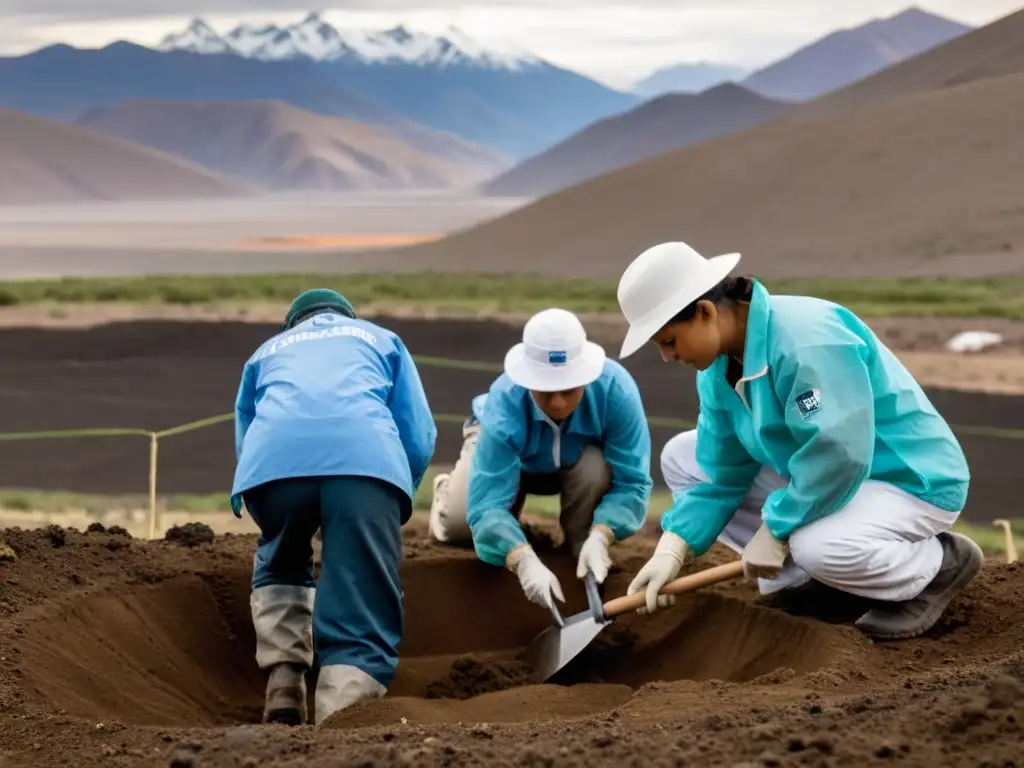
(357, 612)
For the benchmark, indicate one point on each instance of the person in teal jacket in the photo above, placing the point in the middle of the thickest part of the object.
(562, 419)
(816, 453)
(333, 432)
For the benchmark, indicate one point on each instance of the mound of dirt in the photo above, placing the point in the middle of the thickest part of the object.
(114, 530)
(161, 671)
(190, 534)
(471, 677)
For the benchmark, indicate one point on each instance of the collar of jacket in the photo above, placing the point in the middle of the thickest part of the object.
(755, 347)
(578, 421)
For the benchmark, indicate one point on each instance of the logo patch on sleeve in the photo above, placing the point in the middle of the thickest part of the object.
(809, 403)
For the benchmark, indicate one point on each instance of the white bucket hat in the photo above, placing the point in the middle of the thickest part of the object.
(554, 354)
(661, 282)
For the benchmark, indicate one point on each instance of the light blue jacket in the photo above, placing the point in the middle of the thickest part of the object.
(516, 436)
(826, 405)
(332, 396)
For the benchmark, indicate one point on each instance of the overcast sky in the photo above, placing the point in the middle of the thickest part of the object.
(617, 42)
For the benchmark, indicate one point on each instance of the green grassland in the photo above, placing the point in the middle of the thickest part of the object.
(518, 293)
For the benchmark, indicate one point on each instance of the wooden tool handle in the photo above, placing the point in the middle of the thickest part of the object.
(683, 584)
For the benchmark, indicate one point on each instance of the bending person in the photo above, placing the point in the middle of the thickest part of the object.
(816, 454)
(562, 419)
(332, 431)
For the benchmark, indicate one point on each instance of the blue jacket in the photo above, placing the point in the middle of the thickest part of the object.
(332, 396)
(516, 436)
(826, 405)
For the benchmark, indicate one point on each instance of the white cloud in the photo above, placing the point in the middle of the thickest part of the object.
(614, 41)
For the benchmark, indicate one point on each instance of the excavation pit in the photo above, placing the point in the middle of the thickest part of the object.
(179, 652)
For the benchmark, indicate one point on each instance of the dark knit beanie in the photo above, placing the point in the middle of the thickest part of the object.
(314, 300)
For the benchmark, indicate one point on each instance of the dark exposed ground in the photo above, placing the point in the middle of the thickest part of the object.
(157, 375)
(121, 652)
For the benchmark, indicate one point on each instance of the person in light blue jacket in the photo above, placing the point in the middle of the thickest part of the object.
(562, 419)
(332, 432)
(816, 453)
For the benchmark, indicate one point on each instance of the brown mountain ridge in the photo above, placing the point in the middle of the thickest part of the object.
(660, 125)
(281, 147)
(926, 184)
(43, 161)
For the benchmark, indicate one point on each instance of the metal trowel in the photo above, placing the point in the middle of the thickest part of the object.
(559, 644)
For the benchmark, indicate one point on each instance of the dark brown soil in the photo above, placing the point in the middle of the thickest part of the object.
(190, 534)
(155, 375)
(470, 676)
(122, 652)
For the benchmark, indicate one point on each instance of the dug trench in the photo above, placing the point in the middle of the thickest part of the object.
(156, 639)
(180, 651)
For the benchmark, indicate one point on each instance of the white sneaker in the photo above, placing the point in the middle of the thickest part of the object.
(438, 503)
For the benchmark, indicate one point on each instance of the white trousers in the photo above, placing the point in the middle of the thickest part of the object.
(880, 546)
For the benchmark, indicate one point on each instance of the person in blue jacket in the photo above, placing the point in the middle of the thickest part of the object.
(562, 419)
(333, 432)
(816, 453)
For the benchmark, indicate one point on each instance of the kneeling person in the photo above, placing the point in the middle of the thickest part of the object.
(562, 419)
(816, 453)
(332, 431)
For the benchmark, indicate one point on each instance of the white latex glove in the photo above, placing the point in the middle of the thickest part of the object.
(664, 565)
(594, 554)
(764, 556)
(539, 584)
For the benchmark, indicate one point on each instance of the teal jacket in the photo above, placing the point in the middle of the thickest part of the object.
(516, 436)
(827, 406)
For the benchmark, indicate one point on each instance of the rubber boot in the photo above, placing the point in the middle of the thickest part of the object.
(285, 700)
(339, 686)
(961, 561)
(282, 616)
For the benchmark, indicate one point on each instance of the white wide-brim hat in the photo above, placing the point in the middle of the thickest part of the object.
(554, 354)
(660, 283)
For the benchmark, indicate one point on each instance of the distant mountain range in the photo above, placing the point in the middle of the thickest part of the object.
(915, 170)
(314, 38)
(495, 94)
(514, 103)
(326, 107)
(679, 120)
(276, 146)
(42, 161)
(688, 78)
(660, 125)
(831, 62)
(848, 55)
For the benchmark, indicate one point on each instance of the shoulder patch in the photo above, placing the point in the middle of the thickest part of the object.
(809, 402)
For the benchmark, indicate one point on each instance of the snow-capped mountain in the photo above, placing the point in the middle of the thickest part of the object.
(314, 38)
(498, 96)
(197, 37)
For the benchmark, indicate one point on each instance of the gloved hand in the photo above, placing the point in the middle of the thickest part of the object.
(664, 565)
(594, 554)
(539, 584)
(764, 556)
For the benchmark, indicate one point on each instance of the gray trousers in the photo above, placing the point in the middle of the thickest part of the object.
(581, 488)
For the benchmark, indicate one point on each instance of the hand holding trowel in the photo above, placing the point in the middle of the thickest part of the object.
(559, 644)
